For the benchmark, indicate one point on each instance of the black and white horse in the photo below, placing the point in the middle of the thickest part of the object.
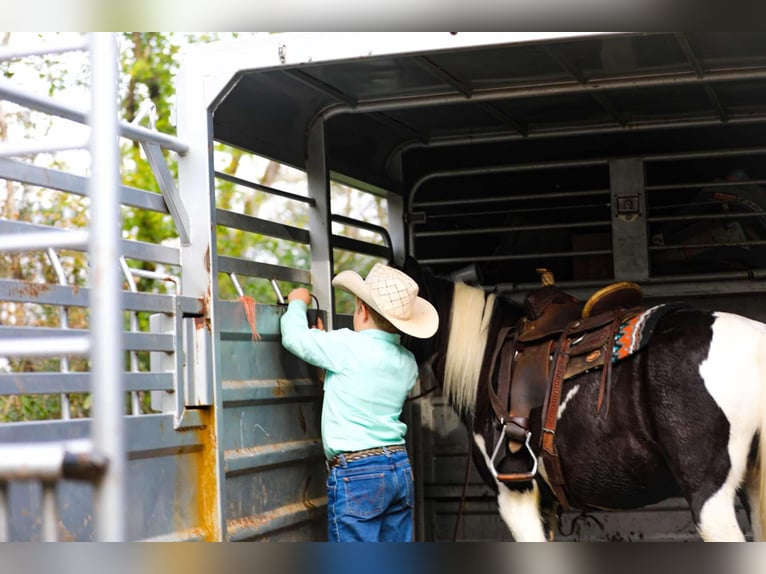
(686, 415)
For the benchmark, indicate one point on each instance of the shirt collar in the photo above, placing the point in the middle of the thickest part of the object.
(386, 336)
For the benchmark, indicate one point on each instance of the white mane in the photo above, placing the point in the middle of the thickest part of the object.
(469, 323)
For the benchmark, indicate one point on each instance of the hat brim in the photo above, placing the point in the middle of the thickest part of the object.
(423, 321)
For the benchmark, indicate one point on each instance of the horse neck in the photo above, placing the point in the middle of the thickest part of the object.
(471, 315)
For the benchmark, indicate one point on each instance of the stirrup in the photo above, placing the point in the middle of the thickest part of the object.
(516, 477)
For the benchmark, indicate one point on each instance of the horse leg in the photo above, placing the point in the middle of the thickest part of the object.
(717, 518)
(519, 509)
(752, 489)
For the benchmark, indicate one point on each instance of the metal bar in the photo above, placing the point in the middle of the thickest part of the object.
(64, 324)
(536, 91)
(45, 346)
(251, 268)
(601, 129)
(237, 286)
(43, 50)
(356, 246)
(281, 518)
(52, 382)
(684, 246)
(49, 531)
(45, 239)
(321, 86)
(264, 227)
(42, 146)
(126, 273)
(320, 223)
(516, 257)
(702, 217)
(70, 340)
(108, 412)
(503, 229)
(49, 106)
(713, 184)
(169, 191)
(266, 189)
(283, 453)
(504, 198)
(466, 172)
(5, 511)
(543, 210)
(52, 179)
(43, 461)
(52, 294)
(706, 154)
(351, 222)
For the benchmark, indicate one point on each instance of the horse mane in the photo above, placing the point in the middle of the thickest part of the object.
(470, 318)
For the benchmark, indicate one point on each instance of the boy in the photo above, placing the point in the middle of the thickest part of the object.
(370, 494)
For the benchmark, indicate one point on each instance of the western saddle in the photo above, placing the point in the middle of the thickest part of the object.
(559, 337)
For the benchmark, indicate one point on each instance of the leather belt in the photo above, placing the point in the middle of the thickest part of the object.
(360, 454)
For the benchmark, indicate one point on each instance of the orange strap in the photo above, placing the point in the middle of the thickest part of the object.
(249, 305)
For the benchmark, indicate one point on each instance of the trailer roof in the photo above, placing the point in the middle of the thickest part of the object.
(394, 117)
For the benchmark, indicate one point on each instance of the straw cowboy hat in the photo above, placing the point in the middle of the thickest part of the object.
(394, 295)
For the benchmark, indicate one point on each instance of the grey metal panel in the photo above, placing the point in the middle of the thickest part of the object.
(68, 296)
(131, 341)
(162, 464)
(39, 383)
(265, 270)
(274, 464)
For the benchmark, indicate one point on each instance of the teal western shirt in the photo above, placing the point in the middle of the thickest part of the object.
(368, 376)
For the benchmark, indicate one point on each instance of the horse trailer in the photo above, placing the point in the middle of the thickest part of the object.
(602, 157)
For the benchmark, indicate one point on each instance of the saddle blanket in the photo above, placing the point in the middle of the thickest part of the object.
(634, 334)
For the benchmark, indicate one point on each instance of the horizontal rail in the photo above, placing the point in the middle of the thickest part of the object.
(51, 238)
(50, 462)
(30, 174)
(284, 517)
(249, 268)
(262, 226)
(515, 257)
(357, 246)
(258, 457)
(43, 50)
(55, 382)
(507, 198)
(259, 390)
(32, 341)
(10, 92)
(32, 345)
(70, 296)
(257, 186)
(507, 228)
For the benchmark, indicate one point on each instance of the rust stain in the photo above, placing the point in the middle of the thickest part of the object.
(203, 321)
(302, 421)
(30, 289)
(280, 390)
(207, 476)
(206, 259)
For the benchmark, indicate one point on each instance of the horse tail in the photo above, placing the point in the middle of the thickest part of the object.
(761, 466)
(470, 318)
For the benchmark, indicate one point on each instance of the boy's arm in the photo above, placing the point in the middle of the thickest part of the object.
(314, 346)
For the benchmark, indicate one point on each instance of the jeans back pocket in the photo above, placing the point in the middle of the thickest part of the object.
(365, 494)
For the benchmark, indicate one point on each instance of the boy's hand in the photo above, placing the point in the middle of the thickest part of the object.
(301, 294)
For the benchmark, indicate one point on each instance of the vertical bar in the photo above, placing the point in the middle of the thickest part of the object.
(135, 407)
(50, 514)
(320, 225)
(199, 279)
(64, 324)
(5, 512)
(629, 234)
(396, 227)
(106, 330)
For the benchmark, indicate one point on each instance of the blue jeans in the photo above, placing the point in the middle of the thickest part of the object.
(371, 499)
